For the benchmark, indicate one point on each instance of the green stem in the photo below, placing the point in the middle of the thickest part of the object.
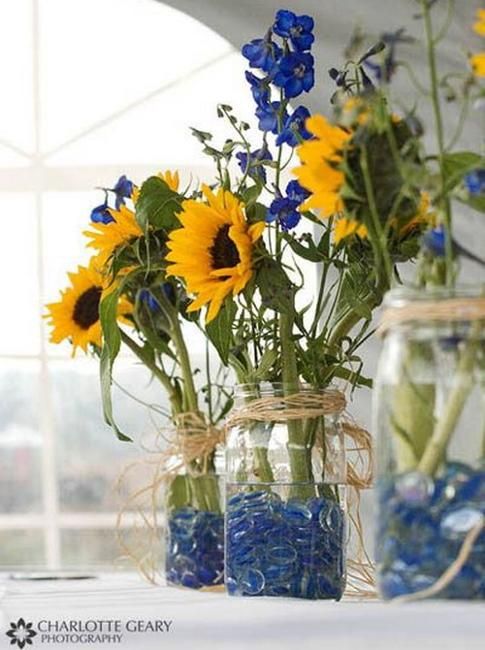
(433, 72)
(299, 451)
(190, 391)
(164, 379)
(436, 448)
(382, 253)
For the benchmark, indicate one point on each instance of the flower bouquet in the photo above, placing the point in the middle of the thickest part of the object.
(430, 383)
(312, 197)
(124, 297)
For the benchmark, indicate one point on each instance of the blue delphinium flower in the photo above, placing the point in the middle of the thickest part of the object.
(475, 182)
(268, 117)
(294, 130)
(256, 170)
(294, 73)
(297, 28)
(262, 53)
(259, 88)
(296, 192)
(385, 71)
(434, 241)
(147, 297)
(123, 190)
(101, 214)
(285, 209)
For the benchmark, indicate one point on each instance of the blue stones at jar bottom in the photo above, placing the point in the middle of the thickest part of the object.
(282, 548)
(195, 548)
(417, 541)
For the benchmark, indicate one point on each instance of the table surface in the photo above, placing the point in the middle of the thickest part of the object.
(216, 621)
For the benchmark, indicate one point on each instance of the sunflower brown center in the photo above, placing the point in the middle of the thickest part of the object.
(86, 309)
(224, 251)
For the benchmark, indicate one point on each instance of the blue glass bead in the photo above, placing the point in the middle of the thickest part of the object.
(414, 488)
(206, 575)
(276, 573)
(235, 502)
(231, 586)
(189, 579)
(327, 588)
(420, 582)
(473, 489)
(392, 585)
(252, 582)
(195, 549)
(459, 522)
(282, 554)
(297, 513)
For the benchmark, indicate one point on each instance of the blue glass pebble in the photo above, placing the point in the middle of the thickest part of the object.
(195, 548)
(277, 548)
(421, 528)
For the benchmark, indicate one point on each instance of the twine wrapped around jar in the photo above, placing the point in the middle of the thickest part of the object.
(194, 440)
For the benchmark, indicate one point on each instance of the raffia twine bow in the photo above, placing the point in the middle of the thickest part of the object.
(187, 449)
(194, 440)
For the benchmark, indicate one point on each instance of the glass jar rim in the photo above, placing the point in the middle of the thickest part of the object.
(267, 388)
(402, 296)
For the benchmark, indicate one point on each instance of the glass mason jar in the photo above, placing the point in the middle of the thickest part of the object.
(194, 551)
(429, 416)
(285, 496)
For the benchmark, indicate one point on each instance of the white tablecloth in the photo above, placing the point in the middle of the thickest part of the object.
(214, 621)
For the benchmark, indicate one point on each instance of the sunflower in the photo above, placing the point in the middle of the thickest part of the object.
(76, 315)
(479, 26)
(212, 252)
(107, 237)
(477, 62)
(319, 173)
(345, 227)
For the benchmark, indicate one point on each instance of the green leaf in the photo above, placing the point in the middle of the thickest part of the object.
(251, 195)
(456, 165)
(202, 136)
(108, 311)
(274, 285)
(219, 330)
(309, 252)
(158, 205)
(256, 212)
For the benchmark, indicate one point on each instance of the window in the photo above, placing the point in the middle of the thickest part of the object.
(95, 89)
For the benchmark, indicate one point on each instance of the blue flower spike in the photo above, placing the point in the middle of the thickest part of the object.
(286, 209)
(254, 160)
(262, 53)
(475, 182)
(268, 117)
(298, 29)
(295, 73)
(101, 214)
(123, 190)
(434, 241)
(294, 131)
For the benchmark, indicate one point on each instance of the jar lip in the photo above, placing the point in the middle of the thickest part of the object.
(401, 296)
(267, 388)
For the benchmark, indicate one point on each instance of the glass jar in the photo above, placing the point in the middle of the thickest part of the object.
(285, 495)
(194, 551)
(429, 417)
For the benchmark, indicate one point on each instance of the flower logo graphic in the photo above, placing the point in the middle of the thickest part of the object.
(21, 633)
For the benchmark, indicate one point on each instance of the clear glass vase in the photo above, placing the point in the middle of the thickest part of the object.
(194, 551)
(429, 416)
(285, 497)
